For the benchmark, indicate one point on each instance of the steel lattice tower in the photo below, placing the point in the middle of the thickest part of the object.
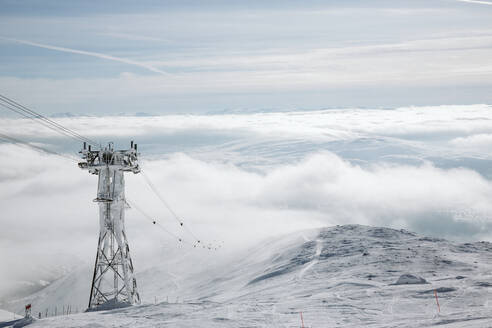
(113, 283)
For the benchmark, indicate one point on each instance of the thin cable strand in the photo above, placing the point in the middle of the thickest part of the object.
(31, 114)
(156, 192)
(154, 221)
(44, 118)
(34, 147)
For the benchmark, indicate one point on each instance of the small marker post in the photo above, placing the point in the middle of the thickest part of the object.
(437, 301)
(302, 321)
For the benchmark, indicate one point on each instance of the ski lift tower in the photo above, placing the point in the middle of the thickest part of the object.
(113, 283)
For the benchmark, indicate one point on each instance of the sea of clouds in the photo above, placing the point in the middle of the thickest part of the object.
(237, 178)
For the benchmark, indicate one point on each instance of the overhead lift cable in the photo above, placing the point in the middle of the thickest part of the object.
(154, 221)
(31, 114)
(198, 242)
(34, 147)
(22, 113)
(175, 216)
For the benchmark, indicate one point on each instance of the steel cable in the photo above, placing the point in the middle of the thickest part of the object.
(31, 114)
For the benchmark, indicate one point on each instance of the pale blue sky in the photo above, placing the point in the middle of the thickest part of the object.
(198, 57)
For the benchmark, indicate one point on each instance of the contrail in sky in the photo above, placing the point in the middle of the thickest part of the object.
(88, 53)
(478, 1)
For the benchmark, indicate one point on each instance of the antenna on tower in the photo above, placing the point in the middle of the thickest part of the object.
(113, 282)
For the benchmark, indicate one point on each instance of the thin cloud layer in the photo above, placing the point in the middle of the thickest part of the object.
(191, 58)
(86, 53)
(477, 2)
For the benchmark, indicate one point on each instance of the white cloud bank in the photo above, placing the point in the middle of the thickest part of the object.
(478, 142)
(47, 208)
(215, 172)
(323, 190)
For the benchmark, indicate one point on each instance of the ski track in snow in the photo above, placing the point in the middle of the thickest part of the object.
(319, 248)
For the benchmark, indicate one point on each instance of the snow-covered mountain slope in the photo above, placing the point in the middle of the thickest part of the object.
(347, 276)
(32, 272)
(8, 316)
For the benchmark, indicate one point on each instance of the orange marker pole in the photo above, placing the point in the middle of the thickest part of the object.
(437, 301)
(302, 320)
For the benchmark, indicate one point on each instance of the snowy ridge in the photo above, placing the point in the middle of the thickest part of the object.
(339, 276)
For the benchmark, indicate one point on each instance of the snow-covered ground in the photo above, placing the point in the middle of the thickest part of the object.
(346, 276)
(8, 316)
